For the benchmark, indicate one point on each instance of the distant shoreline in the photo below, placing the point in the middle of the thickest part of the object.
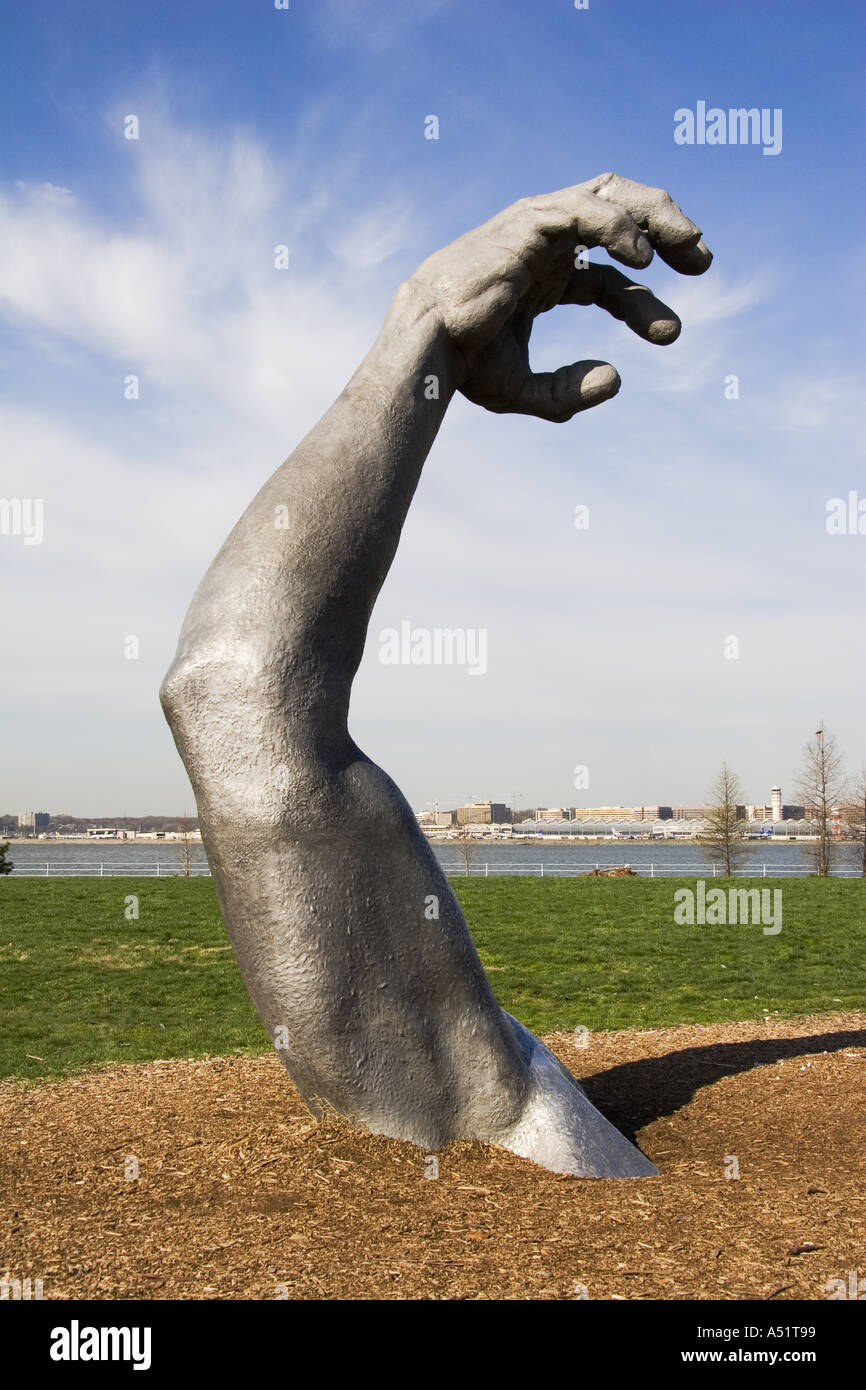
(170, 838)
(627, 840)
(485, 841)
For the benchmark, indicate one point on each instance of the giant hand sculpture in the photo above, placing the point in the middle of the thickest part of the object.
(379, 1010)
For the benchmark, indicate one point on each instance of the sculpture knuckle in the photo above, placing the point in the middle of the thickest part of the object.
(621, 222)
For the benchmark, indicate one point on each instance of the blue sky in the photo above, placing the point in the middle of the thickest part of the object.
(306, 127)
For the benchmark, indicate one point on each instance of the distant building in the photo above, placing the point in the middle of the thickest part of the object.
(437, 818)
(483, 813)
(776, 810)
(33, 820)
(621, 813)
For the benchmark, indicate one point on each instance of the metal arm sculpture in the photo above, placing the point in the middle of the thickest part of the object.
(379, 1009)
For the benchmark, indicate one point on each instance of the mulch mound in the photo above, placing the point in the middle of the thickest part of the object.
(240, 1195)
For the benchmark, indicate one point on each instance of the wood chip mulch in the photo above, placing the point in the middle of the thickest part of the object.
(240, 1195)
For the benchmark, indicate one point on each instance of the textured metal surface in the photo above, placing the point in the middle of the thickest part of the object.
(346, 932)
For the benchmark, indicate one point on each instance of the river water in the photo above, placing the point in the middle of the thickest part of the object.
(50, 858)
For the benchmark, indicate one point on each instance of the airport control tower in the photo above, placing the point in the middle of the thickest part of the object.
(776, 802)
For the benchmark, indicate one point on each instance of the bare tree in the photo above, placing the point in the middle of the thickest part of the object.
(184, 845)
(466, 847)
(724, 837)
(821, 786)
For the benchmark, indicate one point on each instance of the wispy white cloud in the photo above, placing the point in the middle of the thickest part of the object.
(708, 300)
(373, 235)
(370, 25)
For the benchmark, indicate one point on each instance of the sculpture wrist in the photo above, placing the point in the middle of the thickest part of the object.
(415, 331)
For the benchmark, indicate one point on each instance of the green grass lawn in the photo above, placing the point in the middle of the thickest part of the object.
(82, 985)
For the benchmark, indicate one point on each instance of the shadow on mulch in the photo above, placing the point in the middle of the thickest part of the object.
(635, 1094)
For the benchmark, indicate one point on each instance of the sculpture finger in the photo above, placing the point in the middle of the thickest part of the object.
(628, 219)
(675, 236)
(633, 304)
(558, 395)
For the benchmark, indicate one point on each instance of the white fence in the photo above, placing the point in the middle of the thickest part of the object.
(63, 869)
(483, 869)
(553, 870)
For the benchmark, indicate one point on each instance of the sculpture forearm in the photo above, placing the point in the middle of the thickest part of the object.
(302, 568)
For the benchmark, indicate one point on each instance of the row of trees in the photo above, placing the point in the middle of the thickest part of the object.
(70, 825)
(823, 788)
